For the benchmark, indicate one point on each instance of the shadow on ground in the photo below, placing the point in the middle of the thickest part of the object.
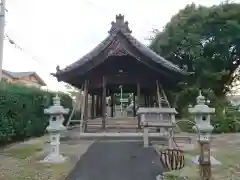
(117, 161)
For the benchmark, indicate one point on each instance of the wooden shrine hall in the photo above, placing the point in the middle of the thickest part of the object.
(120, 59)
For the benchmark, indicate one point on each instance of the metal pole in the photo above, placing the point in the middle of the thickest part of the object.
(2, 24)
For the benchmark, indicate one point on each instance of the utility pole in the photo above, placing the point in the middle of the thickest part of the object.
(2, 24)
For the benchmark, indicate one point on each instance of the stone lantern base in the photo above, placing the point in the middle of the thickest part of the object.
(54, 155)
(53, 158)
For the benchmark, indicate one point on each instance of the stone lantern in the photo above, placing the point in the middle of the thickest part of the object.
(202, 114)
(55, 127)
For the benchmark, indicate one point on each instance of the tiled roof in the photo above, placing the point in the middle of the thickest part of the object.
(19, 75)
(122, 27)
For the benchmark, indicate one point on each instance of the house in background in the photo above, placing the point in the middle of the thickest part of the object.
(30, 79)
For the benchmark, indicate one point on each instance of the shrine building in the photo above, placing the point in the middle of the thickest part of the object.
(120, 60)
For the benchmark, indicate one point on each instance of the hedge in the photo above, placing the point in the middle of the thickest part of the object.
(22, 111)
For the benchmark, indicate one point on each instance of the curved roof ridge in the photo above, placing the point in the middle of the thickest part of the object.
(153, 55)
(94, 52)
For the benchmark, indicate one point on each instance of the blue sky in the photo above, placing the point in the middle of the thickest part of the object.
(59, 32)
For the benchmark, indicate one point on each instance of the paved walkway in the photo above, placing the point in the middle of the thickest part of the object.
(117, 161)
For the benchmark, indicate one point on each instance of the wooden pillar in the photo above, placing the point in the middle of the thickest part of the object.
(151, 100)
(114, 112)
(138, 101)
(145, 100)
(92, 108)
(97, 99)
(103, 102)
(112, 100)
(95, 106)
(148, 100)
(134, 105)
(100, 105)
(85, 117)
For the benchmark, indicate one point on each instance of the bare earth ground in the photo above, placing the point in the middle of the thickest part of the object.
(225, 148)
(21, 161)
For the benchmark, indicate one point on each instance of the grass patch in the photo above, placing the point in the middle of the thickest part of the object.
(24, 152)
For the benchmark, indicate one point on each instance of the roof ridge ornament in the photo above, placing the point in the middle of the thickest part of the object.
(200, 98)
(120, 25)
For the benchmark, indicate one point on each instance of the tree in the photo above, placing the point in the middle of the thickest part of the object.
(205, 40)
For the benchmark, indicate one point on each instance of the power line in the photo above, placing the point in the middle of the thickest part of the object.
(12, 42)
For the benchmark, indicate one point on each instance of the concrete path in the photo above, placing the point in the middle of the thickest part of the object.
(117, 161)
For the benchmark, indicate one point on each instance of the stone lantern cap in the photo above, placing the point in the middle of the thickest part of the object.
(201, 107)
(56, 108)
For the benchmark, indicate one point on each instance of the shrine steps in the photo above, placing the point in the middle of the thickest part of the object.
(137, 136)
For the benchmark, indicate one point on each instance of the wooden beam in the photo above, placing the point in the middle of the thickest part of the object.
(134, 105)
(85, 109)
(95, 106)
(112, 104)
(103, 103)
(145, 100)
(138, 101)
(92, 108)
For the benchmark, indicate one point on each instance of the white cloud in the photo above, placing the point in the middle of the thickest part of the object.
(60, 31)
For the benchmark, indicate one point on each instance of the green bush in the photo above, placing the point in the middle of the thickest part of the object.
(227, 122)
(22, 111)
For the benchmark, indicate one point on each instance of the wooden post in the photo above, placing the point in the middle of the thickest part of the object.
(112, 100)
(145, 100)
(95, 107)
(100, 105)
(85, 117)
(92, 108)
(151, 99)
(103, 103)
(134, 105)
(138, 101)
(96, 115)
(148, 100)
(205, 165)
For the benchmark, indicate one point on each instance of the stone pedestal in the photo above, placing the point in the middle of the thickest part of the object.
(54, 155)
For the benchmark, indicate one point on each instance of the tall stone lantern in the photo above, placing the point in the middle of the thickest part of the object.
(55, 127)
(202, 114)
